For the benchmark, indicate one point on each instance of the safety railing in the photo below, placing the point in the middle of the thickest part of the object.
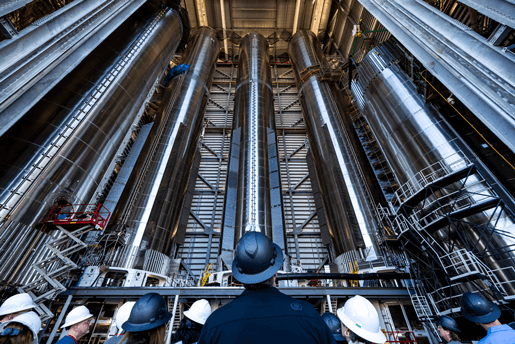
(454, 162)
(462, 263)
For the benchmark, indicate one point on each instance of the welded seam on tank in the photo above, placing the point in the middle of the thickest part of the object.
(253, 127)
(256, 81)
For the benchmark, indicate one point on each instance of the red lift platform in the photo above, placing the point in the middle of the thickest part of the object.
(65, 215)
(400, 337)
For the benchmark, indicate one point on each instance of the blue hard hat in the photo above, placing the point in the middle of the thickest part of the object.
(149, 312)
(334, 325)
(476, 308)
(256, 258)
(448, 323)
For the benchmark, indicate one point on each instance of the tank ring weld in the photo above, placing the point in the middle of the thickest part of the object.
(306, 83)
(199, 79)
(249, 80)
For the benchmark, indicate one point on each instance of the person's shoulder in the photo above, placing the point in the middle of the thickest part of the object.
(113, 340)
(219, 314)
(66, 340)
(300, 306)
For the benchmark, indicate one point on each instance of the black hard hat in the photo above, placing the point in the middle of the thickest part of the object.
(334, 325)
(476, 308)
(149, 312)
(448, 323)
(256, 258)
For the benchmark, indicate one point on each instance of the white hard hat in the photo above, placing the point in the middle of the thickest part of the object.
(31, 320)
(123, 314)
(360, 316)
(199, 311)
(76, 316)
(17, 303)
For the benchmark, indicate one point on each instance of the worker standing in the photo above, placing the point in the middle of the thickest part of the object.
(191, 325)
(361, 321)
(147, 321)
(479, 310)
(262, 314)
(23, 329)
(121, 316)
(76, 324)
(335, 326)
(448, 329)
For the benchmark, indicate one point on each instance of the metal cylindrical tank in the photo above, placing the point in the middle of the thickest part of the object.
(253, 200)
(253, 113)
(63, 147)
(253, 109)
(348, 213)
(151, 212)
(420, 147)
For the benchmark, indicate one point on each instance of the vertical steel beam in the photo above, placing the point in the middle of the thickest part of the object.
(296, 16)
(59, 319)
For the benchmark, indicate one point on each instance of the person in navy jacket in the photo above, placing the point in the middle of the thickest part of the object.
(262, 314)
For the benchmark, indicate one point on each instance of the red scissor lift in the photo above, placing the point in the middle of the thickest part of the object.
(65, 215)
(401, 337)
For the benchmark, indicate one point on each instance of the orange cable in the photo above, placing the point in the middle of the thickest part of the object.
(466, 120)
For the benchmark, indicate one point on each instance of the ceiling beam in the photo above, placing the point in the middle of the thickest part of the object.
(201, 13)
(317, 16)
(224, 27)
(320, 16)
(296, 17)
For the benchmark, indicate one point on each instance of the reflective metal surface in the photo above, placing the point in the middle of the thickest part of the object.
(348, 215)
(41, 55)
(480, 74)
(418, 143)
(253, 114)
(151, 208)
(62, 148)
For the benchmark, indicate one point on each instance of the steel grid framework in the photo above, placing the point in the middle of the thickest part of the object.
(205, 219)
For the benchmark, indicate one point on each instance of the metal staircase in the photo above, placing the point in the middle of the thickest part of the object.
(330, 305)
(55, 267)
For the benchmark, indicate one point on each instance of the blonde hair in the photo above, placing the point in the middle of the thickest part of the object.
(25, 337)
(155, 335)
